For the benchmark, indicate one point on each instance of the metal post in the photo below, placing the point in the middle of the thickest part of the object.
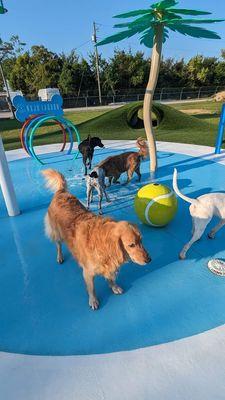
(181, 93)
(161, 94)
(199, 92)
(94, 39)
(6, 185)
(7, 90)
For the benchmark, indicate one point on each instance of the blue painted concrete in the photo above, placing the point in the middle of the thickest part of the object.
(43, 306)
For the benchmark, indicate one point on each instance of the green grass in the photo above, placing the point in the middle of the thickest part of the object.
(175, 125)
(49, 133)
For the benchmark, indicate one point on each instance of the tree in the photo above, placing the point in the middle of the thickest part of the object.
(201, 70)
(9, 51)
(21, 75)
(220, 70)
(76, 75)
(46, 68)
(154, 24)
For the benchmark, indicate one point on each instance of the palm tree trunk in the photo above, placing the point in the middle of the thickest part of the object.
(149, 94)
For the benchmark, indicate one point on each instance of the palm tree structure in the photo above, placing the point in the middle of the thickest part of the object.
(153, 25)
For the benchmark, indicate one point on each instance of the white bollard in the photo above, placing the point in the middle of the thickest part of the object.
(6, 184)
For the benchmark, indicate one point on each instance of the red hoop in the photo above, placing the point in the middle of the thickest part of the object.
(27, 122)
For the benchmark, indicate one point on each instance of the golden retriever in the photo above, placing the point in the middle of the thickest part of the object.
(100, 245)
(128, 162)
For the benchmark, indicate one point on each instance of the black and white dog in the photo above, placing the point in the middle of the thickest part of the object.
(96, 180)
(86, 148)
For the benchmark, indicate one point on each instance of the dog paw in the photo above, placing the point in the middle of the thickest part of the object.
(93, 303)
(60, 260)
(211, 235)
(100, 212)
(117, 289)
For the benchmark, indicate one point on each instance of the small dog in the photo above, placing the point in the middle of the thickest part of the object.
(100, 245)
(202, 210)
(95, 180)
(128, 162)
(86, 148)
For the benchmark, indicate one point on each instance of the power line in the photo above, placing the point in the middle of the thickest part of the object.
(83, 44)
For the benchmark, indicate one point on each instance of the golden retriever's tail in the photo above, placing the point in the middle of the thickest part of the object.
(54, 180)
(178, 192)
(143, 147)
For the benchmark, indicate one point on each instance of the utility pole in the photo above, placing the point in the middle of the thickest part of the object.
(94, 40)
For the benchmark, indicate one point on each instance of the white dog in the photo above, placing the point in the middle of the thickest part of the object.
(202, 210)
(96, 180)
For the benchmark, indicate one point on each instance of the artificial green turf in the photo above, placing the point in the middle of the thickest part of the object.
(174, 126)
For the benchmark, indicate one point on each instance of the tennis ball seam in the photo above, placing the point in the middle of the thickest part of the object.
(164, 196)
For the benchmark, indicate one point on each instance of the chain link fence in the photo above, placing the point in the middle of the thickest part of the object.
(126, 96)
(163, 94)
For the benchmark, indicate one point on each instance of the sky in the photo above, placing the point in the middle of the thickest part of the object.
(65, 25)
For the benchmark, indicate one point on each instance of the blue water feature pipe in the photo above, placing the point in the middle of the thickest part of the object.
(220, 134)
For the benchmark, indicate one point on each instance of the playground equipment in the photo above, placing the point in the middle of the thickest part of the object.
(219, 139)
(155, 204)
(34, 114)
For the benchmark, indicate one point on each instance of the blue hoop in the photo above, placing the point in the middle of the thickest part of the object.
(38, 121)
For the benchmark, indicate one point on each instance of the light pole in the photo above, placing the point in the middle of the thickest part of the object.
(5, 177)
(5, 50)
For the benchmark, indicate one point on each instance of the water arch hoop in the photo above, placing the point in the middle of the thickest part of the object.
(36, 113)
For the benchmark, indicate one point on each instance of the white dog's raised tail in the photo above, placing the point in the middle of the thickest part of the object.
(178, 192)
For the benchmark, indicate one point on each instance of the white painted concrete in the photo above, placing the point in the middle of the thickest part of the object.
(188, 369)
(205, 152)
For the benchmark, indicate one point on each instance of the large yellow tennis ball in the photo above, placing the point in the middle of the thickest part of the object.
(155, 204)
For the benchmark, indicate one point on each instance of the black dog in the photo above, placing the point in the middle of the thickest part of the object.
(86, 148)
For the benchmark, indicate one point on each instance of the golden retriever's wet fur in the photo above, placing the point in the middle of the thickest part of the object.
(128, 162)
(100, 245)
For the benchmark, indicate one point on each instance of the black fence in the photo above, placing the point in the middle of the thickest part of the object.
(126, 96)
(163, 94)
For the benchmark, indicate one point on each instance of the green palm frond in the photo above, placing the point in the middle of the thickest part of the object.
(118, 36)
(132, 14)
(144, 21)
(162, 5)
(194, 31)
(168, 15)
(148, 38)
(189, 12)
(165, 14)
(165, 35)
(192, 21)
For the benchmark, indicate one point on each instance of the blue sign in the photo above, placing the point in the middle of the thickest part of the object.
(25, 108)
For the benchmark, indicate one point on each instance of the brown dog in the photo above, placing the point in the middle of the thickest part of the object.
(128, 162)
(100, 245)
